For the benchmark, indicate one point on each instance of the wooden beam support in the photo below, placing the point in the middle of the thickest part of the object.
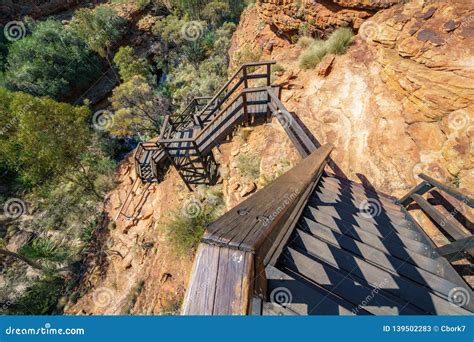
(457, 250)
(444, 222)
(449, 190)
(420, 189)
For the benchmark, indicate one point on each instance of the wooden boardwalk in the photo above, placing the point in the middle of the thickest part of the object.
(355, 262)
(187, 139)
(310, 242)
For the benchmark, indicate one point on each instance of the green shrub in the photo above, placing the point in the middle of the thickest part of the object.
(129, 65)
(41, 298)
(248, 165)
(187, 226)
(87, 231)
(337, 43)
(339, 40)
(310, 57)
(304, 42)
(52, 61)
(44, 249)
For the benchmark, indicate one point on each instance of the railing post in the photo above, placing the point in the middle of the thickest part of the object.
(244, 98)
(269, 83)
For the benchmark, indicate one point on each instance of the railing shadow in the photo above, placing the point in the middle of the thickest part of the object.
(331, 163)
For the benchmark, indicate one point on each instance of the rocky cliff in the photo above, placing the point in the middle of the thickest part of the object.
(317, 17)
(398, 103)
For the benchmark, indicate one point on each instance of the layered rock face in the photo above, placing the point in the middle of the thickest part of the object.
(317, 17)
(399, 102)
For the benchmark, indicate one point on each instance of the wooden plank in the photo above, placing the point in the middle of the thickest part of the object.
(353, 191)
(385, 261)
(401, 287)
(248, 224)
(273, 309)
(380, 230)
(234, 281)
(345, 286)
(374, 215)
(303, 299)
(366, 189)
(418, 189)
(449, 190)
(200, 295)
(348, 228)
(385, 246)
(444, 222)
(458, 249)
(334, 195)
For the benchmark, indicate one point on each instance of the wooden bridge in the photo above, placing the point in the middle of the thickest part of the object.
(310, 242)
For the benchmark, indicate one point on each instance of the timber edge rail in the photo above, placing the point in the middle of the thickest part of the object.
(462, 241)
(228, 276)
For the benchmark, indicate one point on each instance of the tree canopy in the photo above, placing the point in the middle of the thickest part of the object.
(52, 61)
(45, 138)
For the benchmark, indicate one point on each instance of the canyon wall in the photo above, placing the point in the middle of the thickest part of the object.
(399, 102)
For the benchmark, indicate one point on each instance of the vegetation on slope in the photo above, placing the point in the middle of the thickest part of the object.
(316, 49)
(57, 157)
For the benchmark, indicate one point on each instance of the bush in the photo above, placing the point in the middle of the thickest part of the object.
(248, 165)
(187, 226)
(52, 61)
(44, 249)
(339, 40)
(304, 42)
(99, 28)
(337, 43)
(310, 57)
(185, 231)
(129, 65)
(41, 298)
